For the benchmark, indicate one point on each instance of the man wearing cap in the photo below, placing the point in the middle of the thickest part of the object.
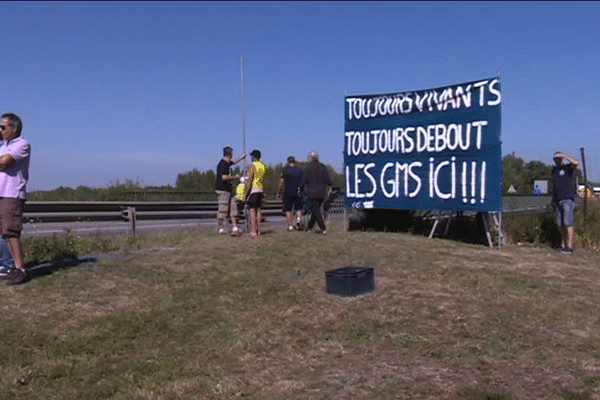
(317, 181)
(563, 199)
(254, 192)
(287, 190)
(224, 188)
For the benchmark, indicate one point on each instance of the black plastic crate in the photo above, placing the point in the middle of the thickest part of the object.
(350, 281)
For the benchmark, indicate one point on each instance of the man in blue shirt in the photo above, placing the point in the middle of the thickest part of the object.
(563, 199)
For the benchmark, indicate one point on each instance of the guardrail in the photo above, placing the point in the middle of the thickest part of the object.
(56, 211)
(50, 211)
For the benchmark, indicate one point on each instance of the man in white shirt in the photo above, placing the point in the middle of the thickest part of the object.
(14, 174)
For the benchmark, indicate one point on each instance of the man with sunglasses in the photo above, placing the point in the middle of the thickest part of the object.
(14, 174)
(227, 207)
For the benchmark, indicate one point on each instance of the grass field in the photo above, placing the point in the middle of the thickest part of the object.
(196, 315)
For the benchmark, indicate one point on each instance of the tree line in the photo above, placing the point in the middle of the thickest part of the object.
(521, 175)
(515, 171)
(195, 181)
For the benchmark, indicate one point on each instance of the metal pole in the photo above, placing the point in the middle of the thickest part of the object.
(585, 190)
(500, 231)
(243, 116)
(132, 216)
(246, 224)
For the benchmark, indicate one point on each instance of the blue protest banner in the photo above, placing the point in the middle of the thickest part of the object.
(432, 149)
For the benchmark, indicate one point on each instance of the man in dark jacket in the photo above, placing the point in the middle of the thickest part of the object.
(315, 183)
(287, 190)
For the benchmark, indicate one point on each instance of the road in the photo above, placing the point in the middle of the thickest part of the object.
(86, 228)
(79, 228)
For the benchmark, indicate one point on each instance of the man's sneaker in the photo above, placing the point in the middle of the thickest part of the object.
(16, 277)
(235, 231)
(290, 228)
(4, 271)
(566, 250)
(222, 231)
(298, 222)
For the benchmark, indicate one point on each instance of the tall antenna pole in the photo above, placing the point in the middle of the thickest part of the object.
(585, 188)
(243, 115)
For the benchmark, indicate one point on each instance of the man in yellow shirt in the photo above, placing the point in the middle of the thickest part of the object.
(254, 192)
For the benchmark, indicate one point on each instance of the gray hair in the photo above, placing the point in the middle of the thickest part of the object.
(313, 155)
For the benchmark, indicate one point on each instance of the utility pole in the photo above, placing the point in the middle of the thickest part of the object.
(243, 116)
(585, 188)
(246, 223)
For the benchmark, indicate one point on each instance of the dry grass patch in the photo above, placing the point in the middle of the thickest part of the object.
(217, 317)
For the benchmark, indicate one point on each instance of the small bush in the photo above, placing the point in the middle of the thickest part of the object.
(541, 228)
(52, 248)
(588, 229)
(536, 228)
(39, 249)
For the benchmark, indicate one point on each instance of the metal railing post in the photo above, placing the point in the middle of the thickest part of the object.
(131, 212)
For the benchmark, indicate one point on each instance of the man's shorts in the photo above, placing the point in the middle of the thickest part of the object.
(565, 210)
(255, 200)
(294, 202)
(227, 205)
(11, 216)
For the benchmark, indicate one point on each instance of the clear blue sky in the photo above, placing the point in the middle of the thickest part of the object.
(147, 90)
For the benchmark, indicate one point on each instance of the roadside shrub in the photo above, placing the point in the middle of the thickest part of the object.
(538, 228)
(587, 229)
(524, 228)
(37, 249)
(53, 248)
(541, 228)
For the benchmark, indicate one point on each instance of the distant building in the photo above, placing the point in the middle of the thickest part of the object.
(542, 185)
(512, 189)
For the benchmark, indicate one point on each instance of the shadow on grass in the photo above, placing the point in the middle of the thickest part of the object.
(35, 270)
(458, 227)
